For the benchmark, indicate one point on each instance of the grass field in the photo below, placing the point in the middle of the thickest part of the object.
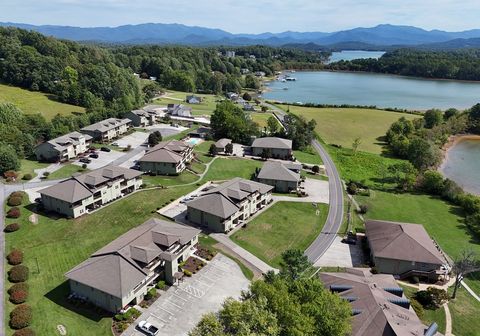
(54, 246)
(28, 166)
(160, 180)
(464, 310)
(261, 118)
(66, 171)
(224, 169)
(310, 156)
(286, 225)
(342, 126)
(36, 102)
(206, 107)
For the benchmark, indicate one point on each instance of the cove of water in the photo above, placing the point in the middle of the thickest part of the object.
(349, 55)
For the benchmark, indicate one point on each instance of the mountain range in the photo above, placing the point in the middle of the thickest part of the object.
(159, 33)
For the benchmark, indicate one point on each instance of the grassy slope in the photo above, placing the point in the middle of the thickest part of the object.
(28, 167)
(66, 171)
(223, 169)
(159, 180)
(58, 245)
(36, 102)
(284, 226)
(261, 118)
(311, 157)
(342, 126)
(204, 108)
(464, 310)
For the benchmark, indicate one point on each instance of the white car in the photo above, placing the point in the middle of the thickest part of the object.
(148, 328)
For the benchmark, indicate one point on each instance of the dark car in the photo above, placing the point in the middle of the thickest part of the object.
(105, 149)
(94, 156)
(85, 160)
(350, 239)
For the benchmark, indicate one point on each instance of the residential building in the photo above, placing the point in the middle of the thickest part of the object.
(278, 175)
(230, 204)
(179, 110)
(167, 158)
(260, 74)
(404, 249)
(193, 99)
(248, 107)
(379, 307)
(244, 71)
(108, 129)
(202, 132)
(63, 148)
(122, 272)
(230, 53)
(221, 144)
(232, 96)
(83, 193)
(148, 116)
(277, 148)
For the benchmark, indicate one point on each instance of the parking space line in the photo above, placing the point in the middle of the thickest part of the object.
(159, 318)
(165, 310)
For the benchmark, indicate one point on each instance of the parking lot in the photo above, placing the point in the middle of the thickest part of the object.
(342, 255)
(104, 159)
(178, 310)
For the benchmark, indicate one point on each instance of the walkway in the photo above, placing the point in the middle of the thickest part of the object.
(448, 320)
(255, 261)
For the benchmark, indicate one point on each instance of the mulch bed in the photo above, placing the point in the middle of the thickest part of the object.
(205, 253)
(193, 265)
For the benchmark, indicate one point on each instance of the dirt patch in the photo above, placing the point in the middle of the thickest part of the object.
(266, 226)
(61, 329)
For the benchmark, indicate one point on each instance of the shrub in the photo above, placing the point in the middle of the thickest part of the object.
(13, 213)
(21, 316)
(414, 280)
(363, 209)
(151, 294)
(160, 284)
(17, 194)
(187, 273)
(18, 297)
(21, 286)
(15, 257)
(27, 177)
(12, 227)
(374, 270)
(352, 188)
(316, 169)
(46, 174)
(431, 298)
(24, 332)
(10, 174)
(18, 273)
(14, 201)
(417, 307)
(84, 166)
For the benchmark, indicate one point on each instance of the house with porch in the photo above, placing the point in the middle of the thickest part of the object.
(108, 129)
(405, 250)
(167, 158)
(192, 99)
(83, 193)
(179, 110)
(122, 272)
(63, 148)
(280, 176)
(277, 148)
(230, 204)
(221, 144)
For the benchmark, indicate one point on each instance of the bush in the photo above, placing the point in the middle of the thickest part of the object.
(13, 213)
(15, 257)
(316, 169)
(18, 273)
(12, 227)
(21, 286)
(21, 316)
(46, 174)
(352, 188)
(415, 280)
(17, 194)
(432, 298)
(24, 332)
(374, 270)
(151, 294)
(363, 209)
(187, 273)
(14, 201)
(160, 285)
(10, 174)
(27, 177)
(18, 297)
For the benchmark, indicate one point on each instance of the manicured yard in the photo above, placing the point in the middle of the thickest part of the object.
(54, 246)
(36, 102)
(465, 310)
(261, 118)
(203, 147)
(160, 180)
(342, 126)
(206, 107)
(286, 225)
(66, 171)
(224, 169)
(28, 167)
(308, 156)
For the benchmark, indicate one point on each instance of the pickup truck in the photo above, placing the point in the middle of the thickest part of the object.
(148, 328)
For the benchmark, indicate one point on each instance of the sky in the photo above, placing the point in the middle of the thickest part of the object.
(248, 16)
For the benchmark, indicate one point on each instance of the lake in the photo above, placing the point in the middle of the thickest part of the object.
(336, 88)
(349, 55)
(462, 165)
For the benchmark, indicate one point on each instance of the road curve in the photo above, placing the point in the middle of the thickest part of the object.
(335, 213)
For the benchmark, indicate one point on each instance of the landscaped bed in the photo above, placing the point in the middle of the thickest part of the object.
(192, 265)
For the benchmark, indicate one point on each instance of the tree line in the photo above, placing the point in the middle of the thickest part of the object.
(458, 65)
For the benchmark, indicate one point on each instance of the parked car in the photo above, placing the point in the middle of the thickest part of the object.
(148, 328)
(115, 144)
(94, 156)
(105, 149)
(350, 239)
(85, 160)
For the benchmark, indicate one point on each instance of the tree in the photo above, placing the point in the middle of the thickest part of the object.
(8, 159)
(155, 138)
(433, 182)
(404, 174)
(423, 154)
(252, 82)
(264, 108)
(231, 122)
(247, 96)
(212, 150)
(450, 113)
(272, 125)
(229, 148)
(316, 169)
(356, 143)
(433, 118)
(293, 264)
(474, 119)
(463, 265)
(266, 154)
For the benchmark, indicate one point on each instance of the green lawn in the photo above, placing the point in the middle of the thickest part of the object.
(261, 118)
(286, 225)
(206, 107)
(308, 156)
(66, 171)
(160, 180)
(342, 126)
(224, 169)
(52, 247)
(28, 166)
(36, 102)
(203, 147)
(465, 312)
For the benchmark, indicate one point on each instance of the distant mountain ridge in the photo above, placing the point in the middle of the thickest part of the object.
(159, 33)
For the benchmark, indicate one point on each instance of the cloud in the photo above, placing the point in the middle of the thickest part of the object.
(249, 16)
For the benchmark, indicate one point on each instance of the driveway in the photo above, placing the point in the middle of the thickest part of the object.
(134, 140)
(104, 159)
(179, 310)
(165, 129)
(342, 255)
(317, 190)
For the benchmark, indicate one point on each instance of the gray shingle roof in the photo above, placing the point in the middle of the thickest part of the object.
(106, 125)
(121, 265)
(222, 143)
(166, 151)
(273, 170)
(402, 241)
(60, 143)
(272, 142)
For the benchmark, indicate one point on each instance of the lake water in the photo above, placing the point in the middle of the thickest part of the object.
(349, 55)
(462, 165)
(382, 90)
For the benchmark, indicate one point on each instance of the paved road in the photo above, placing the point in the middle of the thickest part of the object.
(335, 214)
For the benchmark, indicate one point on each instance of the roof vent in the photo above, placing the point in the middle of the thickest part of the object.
(356, 311)
(404, 303)
(339, 288)
(398, 291)
(432, 330)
